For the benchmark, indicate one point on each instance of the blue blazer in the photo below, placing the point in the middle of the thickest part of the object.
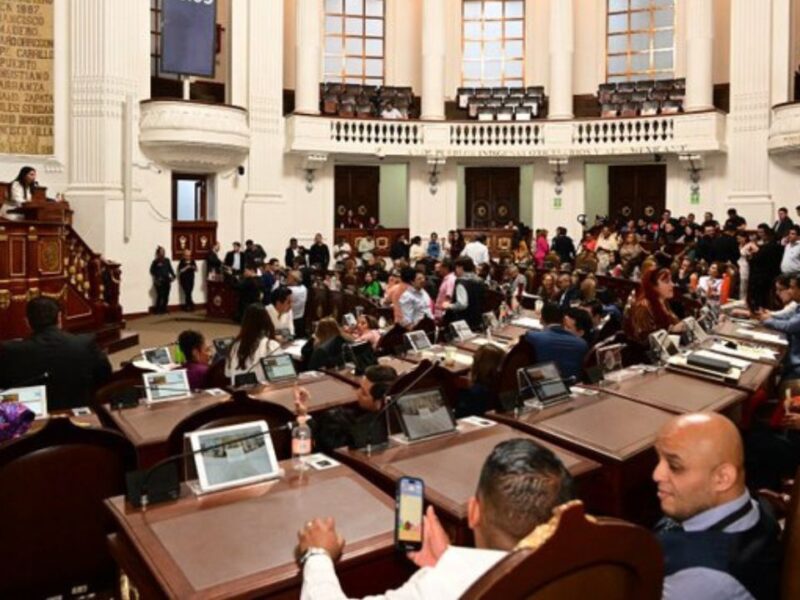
(556, 344)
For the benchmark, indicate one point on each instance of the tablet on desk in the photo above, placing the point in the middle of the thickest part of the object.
(233, 455)
(461, 331)
(418, 340)
(167, 385)
(159, 357)
(424, 414)
(545, 382)
(278, 368)
(33, 398)
(490, 320)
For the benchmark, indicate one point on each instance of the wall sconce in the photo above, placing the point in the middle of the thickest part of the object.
(311, 163)
(694, 164)
(436, 162)
(559, 166)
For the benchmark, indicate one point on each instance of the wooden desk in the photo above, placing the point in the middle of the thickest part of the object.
(678, 393)
(780, 353)
(450, 466)
(731, 329)
(624, 445)
(473, 345)
(348, 376)
(461, 366)
(148, 427)
(240, 543)
(510, 332)
(325, 391)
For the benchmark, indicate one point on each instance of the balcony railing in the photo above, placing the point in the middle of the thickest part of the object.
(702, 132)
(784, 131)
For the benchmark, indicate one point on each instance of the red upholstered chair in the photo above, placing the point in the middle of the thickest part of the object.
(52, 486)
(572, 556)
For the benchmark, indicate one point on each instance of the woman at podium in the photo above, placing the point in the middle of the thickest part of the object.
(21, 191)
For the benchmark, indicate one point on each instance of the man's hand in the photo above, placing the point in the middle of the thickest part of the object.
(320, 533)
(762, 315)
(434, 541)
(301, 399)
(791, 421)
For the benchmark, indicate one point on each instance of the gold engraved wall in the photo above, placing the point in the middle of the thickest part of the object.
(26, 76)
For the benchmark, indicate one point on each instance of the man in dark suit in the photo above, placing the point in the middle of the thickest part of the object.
(783, 224)
(319, 254)
(563, 246)
(74, 364)
(293, 252)
(234, 260)
(725, 247)
(556, 344)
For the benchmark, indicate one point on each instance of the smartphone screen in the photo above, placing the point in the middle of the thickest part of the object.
(408, 514)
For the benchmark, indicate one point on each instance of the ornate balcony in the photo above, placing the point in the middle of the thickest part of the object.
(702, 132)
(194, 137)
(784, 132)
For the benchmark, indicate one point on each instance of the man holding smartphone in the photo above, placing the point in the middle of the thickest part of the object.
(520, 485)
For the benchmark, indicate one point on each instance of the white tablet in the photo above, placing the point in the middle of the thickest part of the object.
(33, 397)
(234, 455)
(418, 340)
(162, 386)
(461, 331)
(160, 357)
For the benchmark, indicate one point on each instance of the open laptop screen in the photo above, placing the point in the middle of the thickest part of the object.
(418, 340)
(545, 381)
(423, 414)
(166, 385)
(33, 397)
(278, 368)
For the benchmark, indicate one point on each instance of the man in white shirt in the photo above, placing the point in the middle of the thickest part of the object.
(366, 246)
(390, 111)
(280, 313)
(790, 265)
(342, 252)
(477, 250)
(520, 485)
(294, 282)
(415, 303)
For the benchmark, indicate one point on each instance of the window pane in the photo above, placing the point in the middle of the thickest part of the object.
(472, 70)
(513, 68)
(617, 23)
(333, 6)
(640, 4)
(663, 60)
(664, 2)
(640, 62)
(333, 45)
(493, 50)
(617, 64)
(375, 27)
(494, 9)
(373, 47)
(492, 30)
(492, 69)
(374, 81)
(374, 67)
(354, 46)
(515, 9)
(514, 49)
(354, 26)
(663, 39)
(617, 5)
(617, 43)
(354, 7)
(333, 25)
(664, 18)
(514, 29)
(374, 8)
(640, 21)
(472, 9)
(333, 65)
(640, 41)
(354, 66)
(186, 205)
(472, 30)
(472, 50)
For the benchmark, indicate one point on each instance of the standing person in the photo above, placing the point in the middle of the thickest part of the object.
(163, 275)
(213, 262)
(416, 253)
(457, 247)
(790, 264)
(415, 304)
(734, 220)
(434, 247)
(269, 277)
(765, 266)
(606, 248)
(342, 252)
(477, 251)
(318, 254)
(234, 261)
(293, 252)
(563, 246)
(187, 267)
(467, 303)
(250, 289)
(447, 287)
(22, 189)
(253, 255)
(366, 247)
(782, 225)
(746, 250)
(542, 247)
(400, 249)
(294, 281)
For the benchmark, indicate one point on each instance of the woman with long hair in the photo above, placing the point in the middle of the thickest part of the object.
(21, 191)
(324, 349)
(256, 339)
(650, 311)
(542, 247)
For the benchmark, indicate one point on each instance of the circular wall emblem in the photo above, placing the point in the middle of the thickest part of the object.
(649, 211)
(626, 211)
(217, 300)
(341, 210)
(362, 210)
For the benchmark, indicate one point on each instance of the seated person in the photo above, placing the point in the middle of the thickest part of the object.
(566, 292)
(74, 365)
(519, 486)
(254, 341)
(718, 542)
(324, 349)
(197, 351)
(650, 311)
(371, 288)
(353, 427)
(478, 397)
(367, 330)
(280, 313)
(788, 323)
(579, 321)
(557, 344)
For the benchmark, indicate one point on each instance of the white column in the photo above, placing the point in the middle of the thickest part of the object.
(749, 118)
(699, 55)
(433, 46)
(562, 49)
(307, 60)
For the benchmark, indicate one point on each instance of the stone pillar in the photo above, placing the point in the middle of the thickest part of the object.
(562, 50)
(433, 54)
(699, 55)
(308, 34)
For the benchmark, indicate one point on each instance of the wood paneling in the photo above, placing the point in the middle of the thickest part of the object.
(356, 188)
(637, 190)
(492, 196)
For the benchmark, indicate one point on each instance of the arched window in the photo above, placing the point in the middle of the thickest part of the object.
(640, 42)
(354, 40)
(493, 47)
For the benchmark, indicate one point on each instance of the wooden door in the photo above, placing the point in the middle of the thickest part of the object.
(637, 190)
(492, 196)
(356, 189)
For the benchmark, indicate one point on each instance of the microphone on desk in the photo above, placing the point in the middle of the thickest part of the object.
(393, 400)
(44, 376)
(143, 487)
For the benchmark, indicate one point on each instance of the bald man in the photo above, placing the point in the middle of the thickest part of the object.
(717, 541)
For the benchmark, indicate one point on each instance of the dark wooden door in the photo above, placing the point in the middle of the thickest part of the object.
(637, 190)
(356, 189)
(492, 196)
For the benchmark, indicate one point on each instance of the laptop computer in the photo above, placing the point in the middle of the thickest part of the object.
(542, 382)
(461, 332)
(424, 414)
(32, 397)
(163, 386)
(278, 368)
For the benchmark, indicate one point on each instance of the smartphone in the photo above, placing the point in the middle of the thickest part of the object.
(82, 411)
(408, 514)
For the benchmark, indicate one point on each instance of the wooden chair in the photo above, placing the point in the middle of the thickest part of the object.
(521, 355)
(241, 410)
(574, 557)
(391, 340)
(52, 486)
(113, 391)
(216, 376)
(787, 507)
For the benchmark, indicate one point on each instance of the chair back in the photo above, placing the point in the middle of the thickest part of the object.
(216, 375)
(52, 486)
(521, 355)
(390, 340)
(241, 409)
(573, 557)
(790, 582)
(114, 391)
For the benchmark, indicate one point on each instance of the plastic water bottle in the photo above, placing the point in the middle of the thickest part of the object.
(301, 443)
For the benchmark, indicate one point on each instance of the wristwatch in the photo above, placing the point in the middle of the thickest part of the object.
(312, 552)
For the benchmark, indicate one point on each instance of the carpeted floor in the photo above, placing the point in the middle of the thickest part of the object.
(162, 330)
